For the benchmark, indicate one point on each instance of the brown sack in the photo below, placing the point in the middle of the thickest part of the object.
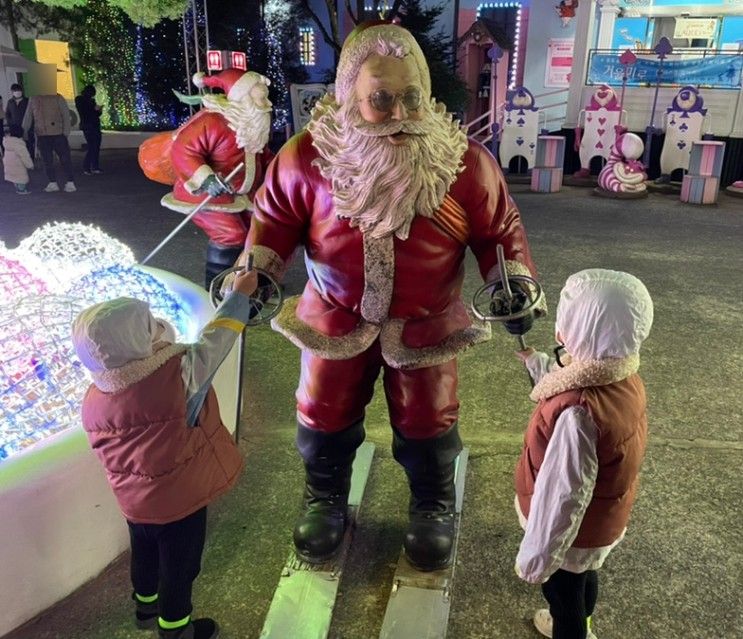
(154, 158)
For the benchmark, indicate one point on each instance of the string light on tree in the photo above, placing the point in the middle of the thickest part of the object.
(277, 13)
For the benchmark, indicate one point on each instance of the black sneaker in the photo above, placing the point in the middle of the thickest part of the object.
(145, 614)
(204, 628)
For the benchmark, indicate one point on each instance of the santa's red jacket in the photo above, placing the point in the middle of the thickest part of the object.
(406, 292)
(206, 145)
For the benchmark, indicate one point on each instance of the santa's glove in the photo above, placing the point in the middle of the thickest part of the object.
(214, 186)
(500, 306)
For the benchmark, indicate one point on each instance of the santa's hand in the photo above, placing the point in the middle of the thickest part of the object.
(214, 186)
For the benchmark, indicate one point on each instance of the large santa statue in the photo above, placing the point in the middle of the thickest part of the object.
(386, 193)
(231, 127)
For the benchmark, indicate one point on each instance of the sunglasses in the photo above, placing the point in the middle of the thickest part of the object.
(384, 101)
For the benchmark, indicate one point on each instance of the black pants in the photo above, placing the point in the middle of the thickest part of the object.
(31, 143)
(92, 157)
(50, 144)
(166, 558)
(572, 598)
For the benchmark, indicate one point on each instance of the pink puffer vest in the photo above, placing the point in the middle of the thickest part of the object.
(159, 468)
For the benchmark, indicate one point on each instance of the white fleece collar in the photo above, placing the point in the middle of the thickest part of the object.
(581, 374)
(117, 379)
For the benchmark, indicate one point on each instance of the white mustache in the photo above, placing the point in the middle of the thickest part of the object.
(411, 127)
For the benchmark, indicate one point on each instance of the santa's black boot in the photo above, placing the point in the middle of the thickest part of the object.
(219, 258)
(429, 465)
(328, 458)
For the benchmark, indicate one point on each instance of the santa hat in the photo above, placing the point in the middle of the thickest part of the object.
(234, 82)
(364, 41)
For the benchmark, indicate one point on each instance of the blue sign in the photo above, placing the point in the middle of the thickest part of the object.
(718, 71)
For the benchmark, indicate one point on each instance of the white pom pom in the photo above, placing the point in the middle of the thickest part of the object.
(198, 79)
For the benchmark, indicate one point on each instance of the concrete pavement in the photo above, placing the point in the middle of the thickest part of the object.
(678, 574)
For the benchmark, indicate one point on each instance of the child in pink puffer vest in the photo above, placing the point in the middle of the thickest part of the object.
(152, 418)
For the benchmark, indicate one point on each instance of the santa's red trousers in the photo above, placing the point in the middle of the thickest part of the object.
(226, 229)
(333, 394)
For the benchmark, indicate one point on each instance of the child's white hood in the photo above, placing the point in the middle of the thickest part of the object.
(603, 314)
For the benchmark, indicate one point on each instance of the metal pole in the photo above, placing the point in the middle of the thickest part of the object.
(206, 27)
(187, 219)
(455, 36)
(187, 60)
(195, 23)
(663, 48)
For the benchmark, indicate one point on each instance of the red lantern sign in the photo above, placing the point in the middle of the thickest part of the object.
(214, 60)
(239, 60)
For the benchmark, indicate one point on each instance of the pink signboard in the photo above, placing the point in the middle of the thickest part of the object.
(559, 62)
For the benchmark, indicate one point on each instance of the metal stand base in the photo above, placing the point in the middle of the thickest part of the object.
(420, 601)
(302, 606)
(734, 191)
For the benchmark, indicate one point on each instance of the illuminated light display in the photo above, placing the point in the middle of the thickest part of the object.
(61, 252)
(41, 380)
(118, 281)
(15, 280)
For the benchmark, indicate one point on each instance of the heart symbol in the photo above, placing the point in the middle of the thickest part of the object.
(601, 132)
(602, 120)
(681, 144)
(589, 118)
(599, 145)
(519, 141)
(683, 127)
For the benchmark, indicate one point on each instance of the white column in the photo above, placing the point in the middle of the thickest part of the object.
(608, 15)
(584, 21)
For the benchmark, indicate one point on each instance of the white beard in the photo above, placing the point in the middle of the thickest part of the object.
(378, 186)
(252, 126)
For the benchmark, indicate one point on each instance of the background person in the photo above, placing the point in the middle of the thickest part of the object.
(16, 161)
(90, 125)
(49, 116)
(15, 110)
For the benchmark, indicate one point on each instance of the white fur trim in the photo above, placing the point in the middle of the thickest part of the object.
(198, 79)
(117, 379)
(268, 260)
(355, 51)
(249, 173)
(581, 374)
(198, 177)
(399, 356)
(305, 337)
(239, 203)
(242, 87)
(379, 277)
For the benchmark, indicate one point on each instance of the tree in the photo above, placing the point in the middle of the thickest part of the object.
(144, 12)
(438, 47)
(32, 17)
